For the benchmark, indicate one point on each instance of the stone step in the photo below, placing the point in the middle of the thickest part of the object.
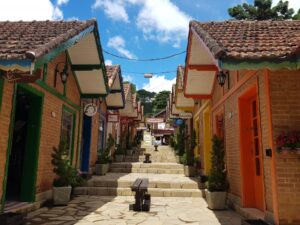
(146, 170)
(155, 192)
(171, 181)
(147, 165)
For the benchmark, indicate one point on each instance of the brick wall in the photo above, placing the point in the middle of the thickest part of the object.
(285, 95)
(232, 133)
(51, 124)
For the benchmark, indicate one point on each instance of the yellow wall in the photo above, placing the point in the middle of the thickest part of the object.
(207, 139)
(196, 127)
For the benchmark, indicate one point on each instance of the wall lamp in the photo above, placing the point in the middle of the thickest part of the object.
(63, 73)
(221, 76)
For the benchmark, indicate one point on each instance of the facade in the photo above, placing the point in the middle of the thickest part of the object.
(259, 62)
(44, 78)
(115, 100)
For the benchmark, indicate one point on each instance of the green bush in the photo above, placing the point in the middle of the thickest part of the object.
(181, 140)
(190, 149)
(104, 156)
(217, 178)
(183, 159)
(66, 173)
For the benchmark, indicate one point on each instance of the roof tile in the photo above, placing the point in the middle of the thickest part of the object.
(250, 39)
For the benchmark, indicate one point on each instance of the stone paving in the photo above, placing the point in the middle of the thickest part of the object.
(94, 210)
(182, 202)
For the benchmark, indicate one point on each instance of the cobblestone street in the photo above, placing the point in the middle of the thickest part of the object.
(98, 210)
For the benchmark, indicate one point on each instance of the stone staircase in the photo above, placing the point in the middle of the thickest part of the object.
(166, 177)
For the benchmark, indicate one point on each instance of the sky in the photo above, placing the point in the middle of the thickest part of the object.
(135, 29)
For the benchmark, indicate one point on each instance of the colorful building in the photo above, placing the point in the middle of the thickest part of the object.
(46, 70)
(245, 76)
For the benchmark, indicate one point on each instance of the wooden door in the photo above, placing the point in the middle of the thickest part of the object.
(256, 154)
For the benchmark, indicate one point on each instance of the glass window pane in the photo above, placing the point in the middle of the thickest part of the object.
(67, 129)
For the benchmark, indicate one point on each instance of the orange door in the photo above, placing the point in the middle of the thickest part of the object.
(251, 153)
(256, 155)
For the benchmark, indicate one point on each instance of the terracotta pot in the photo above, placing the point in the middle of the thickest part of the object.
(298, 151)
(285, 150)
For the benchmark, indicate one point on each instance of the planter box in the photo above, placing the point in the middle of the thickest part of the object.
(254, 222)
(61, 195)
(216, 200)
(177, 158)
(12, 219)
(129, 152)
(119, 158)
(101, 169)
(189, 171)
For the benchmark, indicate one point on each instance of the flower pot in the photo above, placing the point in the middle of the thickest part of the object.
(215, 200)
(61, 195)
(298, 151)
(129, 152)
(101, 169)
(253, 222)
(189, 171)
(119, 158)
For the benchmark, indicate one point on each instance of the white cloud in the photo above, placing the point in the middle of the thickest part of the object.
(159, 83)
(163, 21)
(118, 43)
(295, 4)
(73, 18)
(61, 2)
(115, 9)
(108, 62)
(127, 78)
(29, 10)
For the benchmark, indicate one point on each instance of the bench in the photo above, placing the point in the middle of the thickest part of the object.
(147, 158)
(142, 198)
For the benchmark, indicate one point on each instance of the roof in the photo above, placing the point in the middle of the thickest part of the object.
(250, 39)
(179, 80)
(112, 72)
(30, 40)
(126, 87)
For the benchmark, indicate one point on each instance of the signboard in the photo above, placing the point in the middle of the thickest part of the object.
(179, 122)
(186, 115)
(161, 126)
(126, 120)
(113, 118)
(155, 120)
(90, 109)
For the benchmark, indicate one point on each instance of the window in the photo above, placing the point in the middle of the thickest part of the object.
(68, 128)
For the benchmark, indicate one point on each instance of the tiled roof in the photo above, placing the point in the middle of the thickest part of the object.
(250, 39)
(112, 72)
(126, 87)
(29, 40)
(180, 72)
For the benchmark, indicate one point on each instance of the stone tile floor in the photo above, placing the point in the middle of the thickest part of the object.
(96, 210)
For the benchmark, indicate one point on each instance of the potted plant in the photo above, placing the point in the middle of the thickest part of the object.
(119, 154)
(287, 142)
(217, 184)
(102, 164)
(189, 168)
(66, 175)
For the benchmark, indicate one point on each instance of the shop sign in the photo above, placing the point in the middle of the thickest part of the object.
(185, 115)
(113, 118)
(155, 120)
(90, 109)
(179, 122)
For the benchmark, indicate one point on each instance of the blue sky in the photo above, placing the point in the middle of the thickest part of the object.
(133, 28)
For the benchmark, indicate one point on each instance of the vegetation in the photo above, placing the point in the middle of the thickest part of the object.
(146, 99)
(66, 173)
(217, 178)
(120, 150)
(181, 140)
(190, 157)
(160, 101)
(263, 10)
(103, 157)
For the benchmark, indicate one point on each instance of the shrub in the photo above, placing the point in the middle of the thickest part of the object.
(217, 178)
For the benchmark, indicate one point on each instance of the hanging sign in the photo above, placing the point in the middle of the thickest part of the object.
(90, 109)
(186, 115)
(179, 122)
(155, 120)
(113, 118)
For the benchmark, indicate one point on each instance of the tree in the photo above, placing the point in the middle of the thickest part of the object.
(160, 101)
(263, 10)
(146, 99)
